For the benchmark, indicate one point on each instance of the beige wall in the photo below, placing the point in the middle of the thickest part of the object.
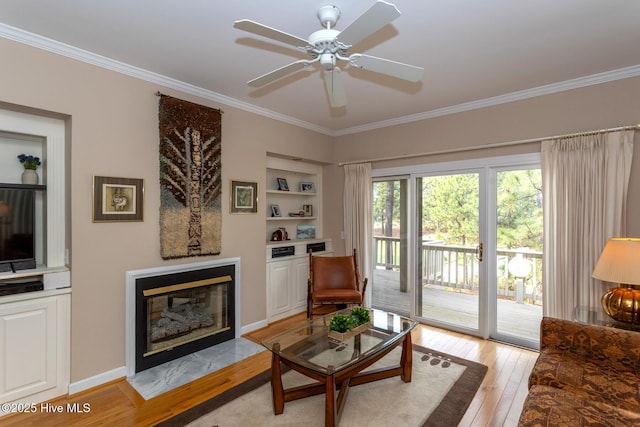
(113, 132)
(595, 107)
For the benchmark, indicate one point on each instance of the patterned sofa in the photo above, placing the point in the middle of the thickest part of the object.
(586, 375)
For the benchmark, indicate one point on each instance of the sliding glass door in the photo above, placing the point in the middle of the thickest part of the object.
(459, 245)
(516, 294)
(389, 284)
(448, 243)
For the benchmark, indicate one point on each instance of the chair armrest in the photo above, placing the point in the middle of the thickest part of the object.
(618, 349)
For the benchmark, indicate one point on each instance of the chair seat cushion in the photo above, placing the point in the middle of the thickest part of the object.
(347, 296)
(550, 406)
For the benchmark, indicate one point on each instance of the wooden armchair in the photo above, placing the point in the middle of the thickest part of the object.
(335, 281)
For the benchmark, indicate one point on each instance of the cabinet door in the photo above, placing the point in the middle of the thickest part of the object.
(28, 358)
(299, 282)
(278, 298)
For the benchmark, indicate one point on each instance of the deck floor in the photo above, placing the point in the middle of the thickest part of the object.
(456, 308)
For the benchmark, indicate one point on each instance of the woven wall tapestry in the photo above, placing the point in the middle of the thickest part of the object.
(190, 179)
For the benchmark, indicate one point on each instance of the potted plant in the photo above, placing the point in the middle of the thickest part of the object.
(343, 326)
(30, 163)
(360, 315)
(340, 323)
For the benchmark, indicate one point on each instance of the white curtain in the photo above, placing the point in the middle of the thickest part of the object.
(585, 180)
(358, 216)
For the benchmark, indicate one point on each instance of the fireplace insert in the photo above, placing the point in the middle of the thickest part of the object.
(181, 313)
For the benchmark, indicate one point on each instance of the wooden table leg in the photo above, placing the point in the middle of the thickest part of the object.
(330, 400)
(276, 381)
(406, 358)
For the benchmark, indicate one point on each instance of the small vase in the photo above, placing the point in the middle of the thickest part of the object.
(30, 176)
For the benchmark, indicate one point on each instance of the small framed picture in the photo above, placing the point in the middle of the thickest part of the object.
(308, 210)
(282, 184)
(244, 197)
(275, 211)
(307, 187)
(117, 199)
(306, 232)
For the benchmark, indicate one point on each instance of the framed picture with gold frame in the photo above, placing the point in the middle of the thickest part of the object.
(244, 197)
(117, 199)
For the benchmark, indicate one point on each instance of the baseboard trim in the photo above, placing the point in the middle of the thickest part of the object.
(97, 380)
(254, 326)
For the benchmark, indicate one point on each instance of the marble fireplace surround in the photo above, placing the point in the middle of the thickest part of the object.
(132, 276)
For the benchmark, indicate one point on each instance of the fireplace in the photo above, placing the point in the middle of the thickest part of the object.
(178, 310)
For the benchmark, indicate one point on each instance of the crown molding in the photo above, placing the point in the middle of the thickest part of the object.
(594, 79)
(73, 52)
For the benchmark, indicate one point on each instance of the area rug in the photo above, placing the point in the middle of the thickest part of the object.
(190, 179)
(441, 388)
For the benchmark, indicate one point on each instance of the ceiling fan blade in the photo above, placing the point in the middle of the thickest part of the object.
(279, 73)
(378, 15)
(335, 88)
(386, 66)
(270, 33)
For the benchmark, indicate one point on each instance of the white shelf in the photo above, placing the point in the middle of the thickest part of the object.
(292, 193)
(291, 218)
(295, 173)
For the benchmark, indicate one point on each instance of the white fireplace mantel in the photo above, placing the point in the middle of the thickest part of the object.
(132, 276)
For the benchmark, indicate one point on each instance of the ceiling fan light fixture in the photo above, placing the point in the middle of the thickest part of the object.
(328, 61)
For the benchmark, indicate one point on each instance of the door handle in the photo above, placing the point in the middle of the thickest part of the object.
(479, 252)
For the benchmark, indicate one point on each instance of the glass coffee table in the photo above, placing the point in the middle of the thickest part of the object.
(337, 364)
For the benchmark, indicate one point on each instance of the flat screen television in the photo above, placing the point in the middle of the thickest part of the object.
(17, 226)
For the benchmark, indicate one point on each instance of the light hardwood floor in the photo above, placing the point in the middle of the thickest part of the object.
(498, 402)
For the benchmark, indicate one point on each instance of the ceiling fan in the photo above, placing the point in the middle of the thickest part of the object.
(328, 46)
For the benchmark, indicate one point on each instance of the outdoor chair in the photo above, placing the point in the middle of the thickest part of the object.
(334, 280)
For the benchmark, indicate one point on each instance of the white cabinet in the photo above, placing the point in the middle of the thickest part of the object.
(279, 283)
(287, 287)
(34, 346)
(287, 277)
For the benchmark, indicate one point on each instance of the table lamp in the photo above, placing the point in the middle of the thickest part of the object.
(620, 263)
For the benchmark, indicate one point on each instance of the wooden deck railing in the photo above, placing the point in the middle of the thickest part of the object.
(457, 267)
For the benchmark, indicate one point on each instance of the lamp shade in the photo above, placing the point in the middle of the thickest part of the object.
(620, 261)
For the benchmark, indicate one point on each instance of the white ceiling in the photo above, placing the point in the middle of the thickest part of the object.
(474, 52)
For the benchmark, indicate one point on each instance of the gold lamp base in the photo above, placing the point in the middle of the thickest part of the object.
(623, 303)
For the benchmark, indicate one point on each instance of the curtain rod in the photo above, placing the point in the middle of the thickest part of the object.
(487, 146)
(158, 93)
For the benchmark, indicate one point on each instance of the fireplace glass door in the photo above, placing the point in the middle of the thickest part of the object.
(179, 314)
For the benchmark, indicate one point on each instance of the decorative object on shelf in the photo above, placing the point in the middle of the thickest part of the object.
(30, 163)
(344, 326)
(280, 235)
(117, 199)
(307, 187)
(296, 214)
(308, 210)
(30, 176)
(306, 232)
(620, 263)
(244, 197)
(282, 184)
(275, 211)
(190, 179)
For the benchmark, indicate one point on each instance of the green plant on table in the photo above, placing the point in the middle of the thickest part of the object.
(341, 323)
(360, 316)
